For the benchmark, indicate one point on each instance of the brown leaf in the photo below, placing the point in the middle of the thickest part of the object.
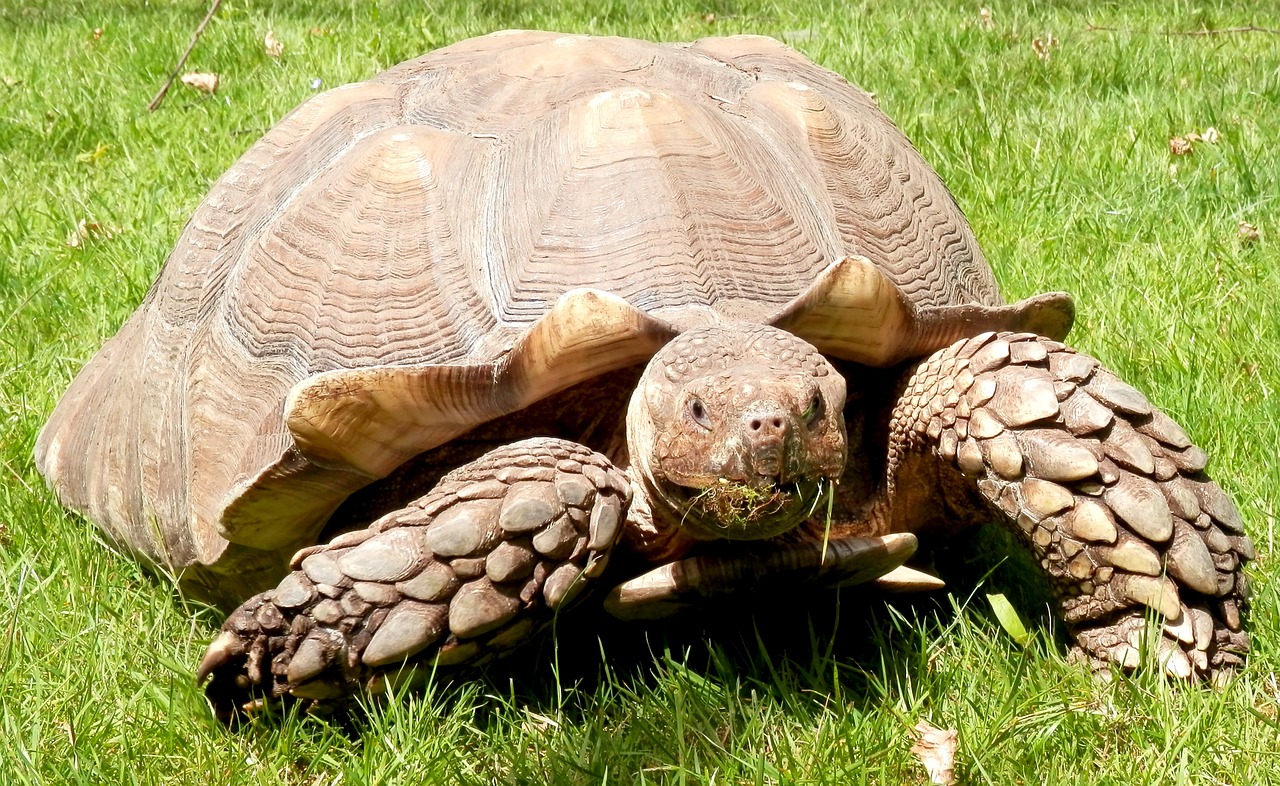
(201, 82)
(272, 45)
(1044, 46)
(1182, 145)
(1248, 233)
(936, 749)
(86, 231)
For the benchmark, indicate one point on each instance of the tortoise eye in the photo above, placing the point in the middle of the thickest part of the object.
(698, 411)
(814, 412)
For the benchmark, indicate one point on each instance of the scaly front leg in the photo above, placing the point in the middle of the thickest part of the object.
(467, 572)
(1108, 492)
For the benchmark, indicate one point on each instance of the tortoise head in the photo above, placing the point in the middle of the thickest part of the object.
(736, 431)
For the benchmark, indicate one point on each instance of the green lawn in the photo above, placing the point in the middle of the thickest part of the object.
(1062, 165)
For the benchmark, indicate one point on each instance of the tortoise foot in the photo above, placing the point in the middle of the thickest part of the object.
(1195, 644)
(464, 574)
(1109, 493)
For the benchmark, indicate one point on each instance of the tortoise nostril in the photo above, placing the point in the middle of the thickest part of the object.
(766, 425)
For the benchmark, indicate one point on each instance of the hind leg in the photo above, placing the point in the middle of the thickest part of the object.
(465, 573)
(1108, 492)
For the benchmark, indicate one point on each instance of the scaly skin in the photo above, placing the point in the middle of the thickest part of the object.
(1109, 493)
(470, 570)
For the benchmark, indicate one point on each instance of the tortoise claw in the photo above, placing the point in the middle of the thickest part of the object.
(904, 579)
(224, 649)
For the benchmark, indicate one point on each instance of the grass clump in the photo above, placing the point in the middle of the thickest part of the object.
(744, 509)
(740, 504)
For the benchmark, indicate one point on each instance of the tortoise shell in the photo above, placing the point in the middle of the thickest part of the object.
(460, 236)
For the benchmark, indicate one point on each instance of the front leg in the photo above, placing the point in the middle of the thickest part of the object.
(467, 572)
(1109, 493)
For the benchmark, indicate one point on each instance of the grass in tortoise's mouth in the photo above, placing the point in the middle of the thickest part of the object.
(730, 501)
(751, 511)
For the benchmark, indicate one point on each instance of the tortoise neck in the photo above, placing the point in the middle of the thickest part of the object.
(653, 529)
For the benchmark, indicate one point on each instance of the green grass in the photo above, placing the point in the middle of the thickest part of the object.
(1064, 169)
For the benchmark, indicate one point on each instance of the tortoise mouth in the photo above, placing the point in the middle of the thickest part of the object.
(744, 511)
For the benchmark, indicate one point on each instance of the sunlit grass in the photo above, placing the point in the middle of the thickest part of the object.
(1062, 166)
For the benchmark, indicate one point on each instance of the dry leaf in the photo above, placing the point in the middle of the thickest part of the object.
(1248, 233)
(984, 19)
(709, 19)
(936, 749)
(1182, 145)
(274, 47)
(1209, 136)
(1043, 46)
(86, 231)
(202, 82)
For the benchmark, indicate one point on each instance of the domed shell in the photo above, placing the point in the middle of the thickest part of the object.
(418, 225)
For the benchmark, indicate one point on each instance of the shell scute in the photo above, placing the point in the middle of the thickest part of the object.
(400, 241)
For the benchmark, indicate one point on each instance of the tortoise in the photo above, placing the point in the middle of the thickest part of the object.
(443, 343)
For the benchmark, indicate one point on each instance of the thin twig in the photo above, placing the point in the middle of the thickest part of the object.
(1202, 32)
(155, 102)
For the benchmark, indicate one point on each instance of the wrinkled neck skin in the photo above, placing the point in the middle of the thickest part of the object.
(734, 432)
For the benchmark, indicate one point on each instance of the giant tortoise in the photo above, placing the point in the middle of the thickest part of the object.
(535, 314)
